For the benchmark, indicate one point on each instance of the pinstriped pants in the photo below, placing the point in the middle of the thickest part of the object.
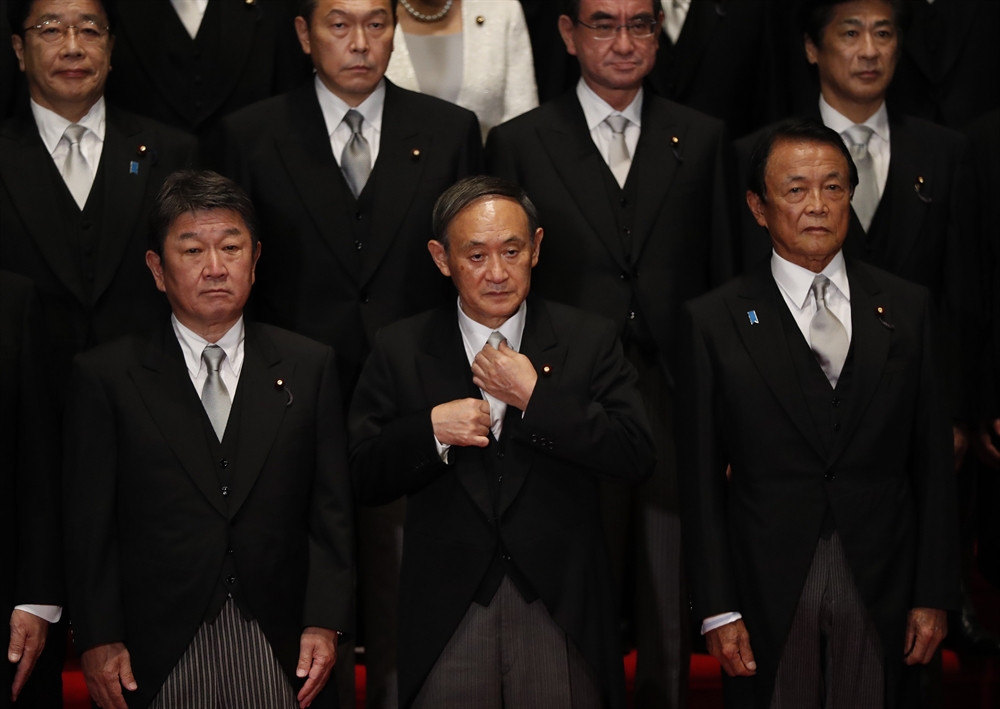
(228, 665)
(510, 655)
(833, 656)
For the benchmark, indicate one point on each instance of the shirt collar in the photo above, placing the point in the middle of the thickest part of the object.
(334, 108)
(51, 125)
(796, 281)
(192, 345)
(834, 119)
(476, 334)
(596, 109)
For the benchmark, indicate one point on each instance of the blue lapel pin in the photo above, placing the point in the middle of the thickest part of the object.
(752, 314)
(133, 168)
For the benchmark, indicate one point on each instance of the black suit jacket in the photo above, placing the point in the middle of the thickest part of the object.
(316, 280)
(681, 243)
(148, 525)
(31, 569)
(584, 421)
(887, 477)
(930, 236)
(84, 309)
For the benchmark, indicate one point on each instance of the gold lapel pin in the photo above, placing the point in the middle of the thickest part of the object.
(480, 20)
(918, 187)
(279, 384)
(546, 370)
(141, 151)
(880, 311)
(675, 144)
(250, 3)
(415, 153)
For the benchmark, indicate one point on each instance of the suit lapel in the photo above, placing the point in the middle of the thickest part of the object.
(314, 172)
(538, 344)
(263, 408)
(702, 17)
(870, 340)
(239, 23)
(35, 185)
(575, 157)
(123, 192)
(766, 343)
(446, 376)
(908, 211)
(165, 387)
(403, 152)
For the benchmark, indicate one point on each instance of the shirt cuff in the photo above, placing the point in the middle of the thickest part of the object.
(49, 613)
(442, 449)
(717, 621)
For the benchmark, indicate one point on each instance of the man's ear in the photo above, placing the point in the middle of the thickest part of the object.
(155, 265)
(440, 256)
(302, 30)
(18, 44)
(756, 205)
(812, 51)
(536, 246)
(566, 30)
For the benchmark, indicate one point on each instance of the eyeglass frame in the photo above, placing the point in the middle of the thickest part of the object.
(105, 31)
(652, 23)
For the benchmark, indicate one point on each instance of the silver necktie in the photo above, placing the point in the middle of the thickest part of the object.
(214, 395)
(497, 408)
(189, 14)
(827, 334)
(76, 171)
(356, 160)
(618, 158)
(865, 200)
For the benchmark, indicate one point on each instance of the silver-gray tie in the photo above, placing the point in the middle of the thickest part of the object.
(356, 160)
(618, 158)
(865, 200)
(214, 395)
(827, 334)
(497, 408)
(76, 171)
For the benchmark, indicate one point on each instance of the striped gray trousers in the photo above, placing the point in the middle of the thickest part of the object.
(228, 665)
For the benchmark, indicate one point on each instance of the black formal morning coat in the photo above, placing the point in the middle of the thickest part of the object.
(584, 421)
(678, 244)
(148, 524)
(31, 567)
(924, 231)
(338, 268)
(86, 298)
(887, 476)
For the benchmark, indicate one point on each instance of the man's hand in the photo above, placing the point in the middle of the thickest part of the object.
(730, 645)
(317, 655)
(985, 447)
(960, 435)
(505, 374)
(106, 668)
(925, 629)
(27, 640)
(463, 422)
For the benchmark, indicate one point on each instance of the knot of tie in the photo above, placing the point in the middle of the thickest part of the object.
(495, 338)
(353, 119)
(858, 137)
(617, 123)
(213, 356)
(74, 133)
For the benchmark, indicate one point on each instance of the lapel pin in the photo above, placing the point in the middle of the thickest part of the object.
(546, 370)
(415, 153)
(250, 3)
(133, 168)
(675, 145)
(480, 20)
(918, 187)
(279, 384)
(752, 314)
(880, 311)
(141, 151)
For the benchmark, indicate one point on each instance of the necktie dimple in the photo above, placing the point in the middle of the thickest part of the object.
(356, 160)
(76, 171)
(827, 334)
(497, 408)
(865, 200)
(214, 395)
(618, 158)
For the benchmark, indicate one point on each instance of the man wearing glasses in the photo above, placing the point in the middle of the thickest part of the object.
(630, 189)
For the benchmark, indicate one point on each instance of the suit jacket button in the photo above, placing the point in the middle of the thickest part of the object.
(836, 426)
(229, 551)
(500, 479)
(829, 477)
(225, 490)
(836, 401)
(224, 463)
(631, 315)
(506, 557)
(231, 580)
(500, 455)
(534, 438)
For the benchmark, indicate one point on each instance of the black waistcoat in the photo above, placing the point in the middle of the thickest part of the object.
(194, 63)
(826, 404)
(83, 230)
(359, 211)
(873, 246)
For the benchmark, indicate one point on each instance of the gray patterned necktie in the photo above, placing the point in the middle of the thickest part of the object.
(827, 334)
(618, 158)
(76, 171)
(214, 395)
(497, 408)
(356, 160)
(865, 200)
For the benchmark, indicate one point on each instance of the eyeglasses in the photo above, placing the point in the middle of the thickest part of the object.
(637, 29)
(54, 31)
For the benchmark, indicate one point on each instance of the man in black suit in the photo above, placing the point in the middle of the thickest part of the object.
(631, 192)
(496, 418)
(189, 63)
(351, 208)
(73, 210)
(827, 559)
(31, 569)
(209, 530)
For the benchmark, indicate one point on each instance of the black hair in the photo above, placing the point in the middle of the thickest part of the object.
(572, 8)
(18, 12)
(306, 9)
(816, 15)
(472, 189)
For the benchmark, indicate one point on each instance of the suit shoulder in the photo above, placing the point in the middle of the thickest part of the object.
(113, 356)
(907, 291)
(431, 111)
(568, 318)
(168, 136)
(266, 114)
(680, 112)
(931, 136)
(291, 342)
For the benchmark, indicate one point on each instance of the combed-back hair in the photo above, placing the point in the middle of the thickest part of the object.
(472, 189)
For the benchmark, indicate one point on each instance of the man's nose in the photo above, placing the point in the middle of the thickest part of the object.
(359, 40)
(496, 270)
(215, 267)
(622, 43)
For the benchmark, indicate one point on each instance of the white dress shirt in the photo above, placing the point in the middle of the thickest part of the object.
(334, 109)
(191, 13)
(193, 344)
(52, 126)
(596, 110)
(795, 285)
(674, 14)
(878, 144)
(474, 337)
